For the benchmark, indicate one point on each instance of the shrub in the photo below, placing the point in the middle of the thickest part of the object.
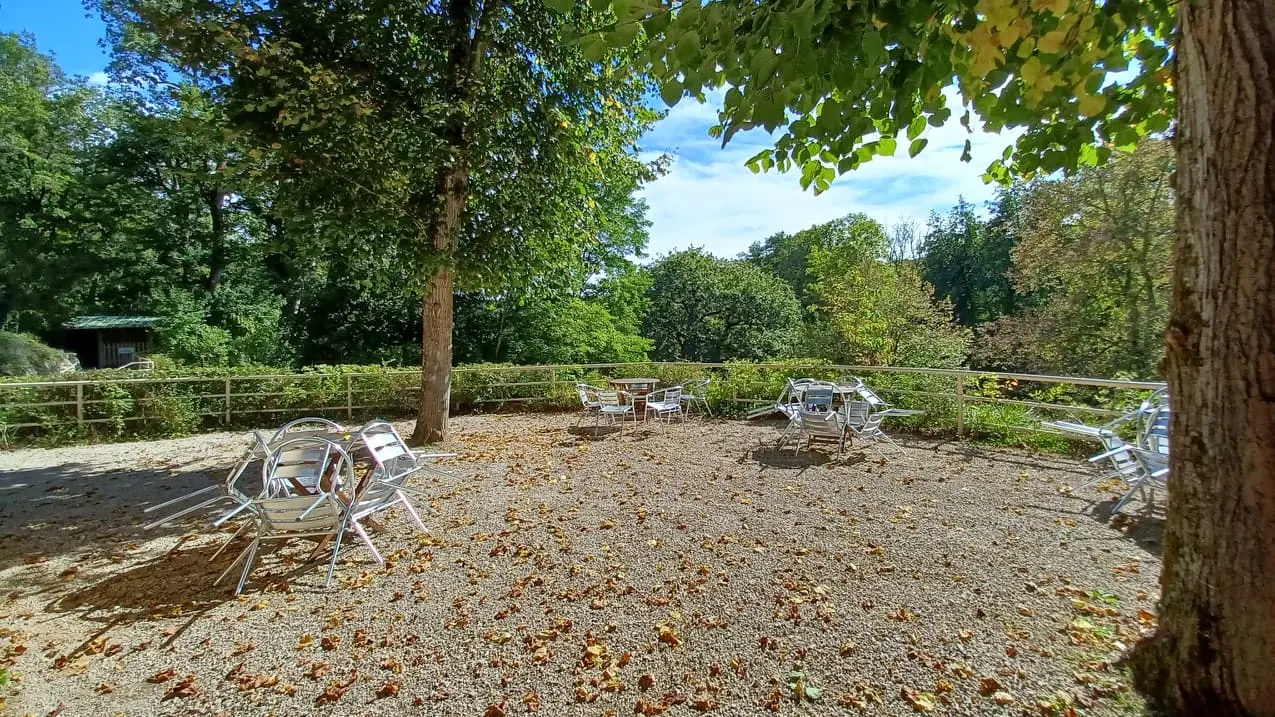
(25, 355)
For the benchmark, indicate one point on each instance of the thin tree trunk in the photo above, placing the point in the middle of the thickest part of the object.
(451, 192)
(1215, 648)
(217, 255)
(436, 343)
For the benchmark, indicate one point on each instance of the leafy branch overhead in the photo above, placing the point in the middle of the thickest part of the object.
(842, 81)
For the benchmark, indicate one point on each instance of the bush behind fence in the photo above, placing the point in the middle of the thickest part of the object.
(113, 405)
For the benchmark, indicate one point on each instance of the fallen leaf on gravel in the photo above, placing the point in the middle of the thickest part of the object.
(185, 687)
(336, 690)
(703, 703)
(668, 634)
(164, 676)
(583, 695)
(306, 642)
(498, 638)
(988, 685)
(646, 682)
(104, 688)
(803, 691)
(1003, 698)
(642, 707)
(532, 701)
(496, 710)
(330, 642)
(389, 689)
(920, 701)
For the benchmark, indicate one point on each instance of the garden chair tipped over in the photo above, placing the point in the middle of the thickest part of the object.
(303, 461)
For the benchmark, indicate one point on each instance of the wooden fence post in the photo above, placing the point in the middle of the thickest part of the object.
(960, 405)
(79, 403)
(553, 383)
(228, 379)
(349, 398)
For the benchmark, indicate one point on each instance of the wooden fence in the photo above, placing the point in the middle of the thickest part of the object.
(954, 399)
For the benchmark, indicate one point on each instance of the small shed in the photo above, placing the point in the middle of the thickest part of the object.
(109, 341)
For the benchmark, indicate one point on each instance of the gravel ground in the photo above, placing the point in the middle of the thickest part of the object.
(690, 568)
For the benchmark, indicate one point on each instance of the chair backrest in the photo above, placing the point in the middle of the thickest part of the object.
(298, 466)
(1154, 463)
(857, 412)
(588, 395)
(820, 424)
(309, 425)
(258, 449)
(1154, 430)
(390, 454)
(672, 395)
(298, 514)
(875, 402)
(1121, 455)
(698, 388)
(818, 396)
(611, 397)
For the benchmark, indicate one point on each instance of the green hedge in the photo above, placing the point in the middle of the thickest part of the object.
(114, 405)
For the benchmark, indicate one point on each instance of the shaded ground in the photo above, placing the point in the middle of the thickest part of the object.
(692, 568)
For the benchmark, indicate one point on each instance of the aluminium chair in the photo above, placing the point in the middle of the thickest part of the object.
(696, 395)
(665, 403)
(821, 426)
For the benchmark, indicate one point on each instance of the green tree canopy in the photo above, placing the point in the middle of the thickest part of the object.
(1098, 248)
(704, 308)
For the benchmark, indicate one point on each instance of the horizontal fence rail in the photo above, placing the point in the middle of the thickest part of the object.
(960, 400)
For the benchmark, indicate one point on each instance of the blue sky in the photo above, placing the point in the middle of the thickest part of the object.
(709, 198)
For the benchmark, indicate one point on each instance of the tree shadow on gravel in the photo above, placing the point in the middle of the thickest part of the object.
(179, 583)
(54, 510)
(773, 457)
(588, 432)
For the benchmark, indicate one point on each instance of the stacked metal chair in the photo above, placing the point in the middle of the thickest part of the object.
(1143, 465)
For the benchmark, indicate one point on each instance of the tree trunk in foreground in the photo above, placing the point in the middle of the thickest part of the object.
(436, 323)
(1215, 649)
(464, 60)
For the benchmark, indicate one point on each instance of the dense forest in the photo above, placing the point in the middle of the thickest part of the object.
(144, 203)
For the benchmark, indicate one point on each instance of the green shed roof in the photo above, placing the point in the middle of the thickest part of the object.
(112, 322)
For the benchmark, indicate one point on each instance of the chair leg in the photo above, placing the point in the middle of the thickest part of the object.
(228, 542)
(233, 563)
(336, 548)
(367, 541)
(247, 567)
(412, 512)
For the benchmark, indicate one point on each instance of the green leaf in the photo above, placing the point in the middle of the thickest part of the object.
(965, 155)
(916, 146)
(916, 127)
(562, 5)
(687, 49)
(593, 47)
(886, 146)
(671, 92)
(656, 23)
(623, 35)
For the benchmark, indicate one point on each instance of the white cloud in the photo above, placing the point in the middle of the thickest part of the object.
(710, 199)
(99, 79)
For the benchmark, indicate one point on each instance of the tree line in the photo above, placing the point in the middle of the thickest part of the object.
(115, 205)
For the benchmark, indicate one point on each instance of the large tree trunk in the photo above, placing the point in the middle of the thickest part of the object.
(1215, 649)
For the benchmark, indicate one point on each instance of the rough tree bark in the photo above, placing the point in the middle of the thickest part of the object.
(451, 192)
(1215, 648)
